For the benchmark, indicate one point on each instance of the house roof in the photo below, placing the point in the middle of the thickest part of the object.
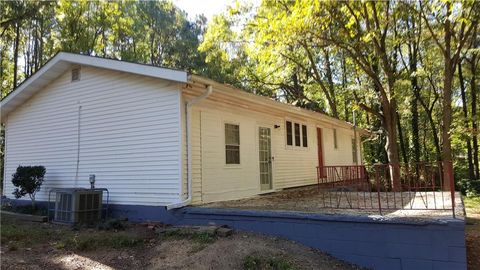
(63, 61)
(238, 96)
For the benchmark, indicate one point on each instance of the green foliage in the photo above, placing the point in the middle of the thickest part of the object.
(256, 262)
(472, 204)
(26, 209)
(18, 235)
(469, 187)
(329, 56)
(251, 262)
(152, 32)
(203, 237)
(88, 242)
(24, 234)
(112, 224)
(200, 239)
(347, 55)
(28, 180)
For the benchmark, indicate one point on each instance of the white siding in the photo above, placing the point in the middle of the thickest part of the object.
(213, 180)
(129, 136)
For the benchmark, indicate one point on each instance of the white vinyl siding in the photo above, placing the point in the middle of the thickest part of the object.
(129, 136)
(213, 180)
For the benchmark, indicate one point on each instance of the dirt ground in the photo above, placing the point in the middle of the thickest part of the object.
(309, 199)
(472, 232)
(27, 245)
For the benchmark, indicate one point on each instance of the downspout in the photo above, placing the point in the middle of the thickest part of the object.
(188, 110)
(355, 137)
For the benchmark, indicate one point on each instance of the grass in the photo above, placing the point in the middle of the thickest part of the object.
(24, 234)
(472, 204)
(472, 208)
(18, 234)
(99, 240)
(200, 239)
(256, 262)
(110, 234)
(26, 209)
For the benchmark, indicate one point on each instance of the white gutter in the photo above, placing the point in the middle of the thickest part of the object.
(188, 108)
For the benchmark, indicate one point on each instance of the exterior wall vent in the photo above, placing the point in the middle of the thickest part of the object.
(75, 74)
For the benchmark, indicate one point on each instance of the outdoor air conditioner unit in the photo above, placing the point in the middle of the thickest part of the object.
(75, 205)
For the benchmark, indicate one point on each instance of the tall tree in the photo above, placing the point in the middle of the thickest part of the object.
(455, 28)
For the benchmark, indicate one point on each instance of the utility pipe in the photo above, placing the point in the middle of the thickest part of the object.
(355, 136)
(188, 109)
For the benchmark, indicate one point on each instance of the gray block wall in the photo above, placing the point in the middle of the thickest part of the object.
(372, 242)
(376, 243)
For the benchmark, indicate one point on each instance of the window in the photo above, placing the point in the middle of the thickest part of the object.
(335, 142)
(304, 136)
(354, 150)
(232, 144)
(75, 74)
(289, 133)
(297, 134)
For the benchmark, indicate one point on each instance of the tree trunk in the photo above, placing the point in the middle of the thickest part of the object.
(15, 54)
(416, 94)
(448, 72)
(391, 146)
(447, 121)
(403, 147)
(344, 86)
(32, 197)
(436, 141)
(471, 172)
(473, 86)
(331, 86)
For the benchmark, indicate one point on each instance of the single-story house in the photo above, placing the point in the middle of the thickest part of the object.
(162, 137)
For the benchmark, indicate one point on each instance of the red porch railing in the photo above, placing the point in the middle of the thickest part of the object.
(334, 176)
(419, 186)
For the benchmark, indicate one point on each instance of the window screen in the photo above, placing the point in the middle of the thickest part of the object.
(297, 134)
(289, 133)
(304, 136)
(232, 144)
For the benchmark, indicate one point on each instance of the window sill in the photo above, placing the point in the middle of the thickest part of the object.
(297, 148)
(232, 166)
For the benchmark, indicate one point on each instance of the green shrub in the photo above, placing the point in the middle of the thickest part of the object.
(261, 262)
(99, 240)
(200, 239)
(112, 224)
(28, 180)
(252, 263)
(469, 187)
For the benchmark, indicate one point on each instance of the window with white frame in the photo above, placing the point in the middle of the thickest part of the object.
(296, 134)
(232, 144)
